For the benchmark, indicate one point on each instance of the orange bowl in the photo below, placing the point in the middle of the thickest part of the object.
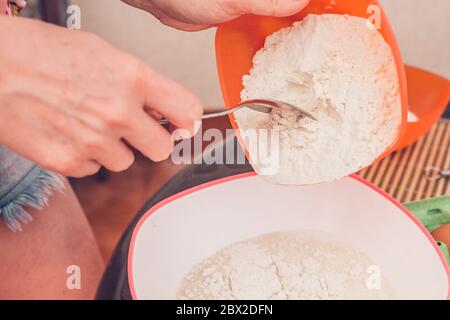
(237, 42)
(428, 96)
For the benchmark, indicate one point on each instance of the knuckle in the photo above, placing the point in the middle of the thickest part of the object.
(58, 120)
(116, 116)
(124, 163)
(77, 174)
(193, 111)
(92, 170)
(62, 162)
(193, 114)
(93, 141)
(233, 7)
(134, 73)
(165, 151)
(67, 165)
(128, 160)
(168, 151)
(101, 109)
(275, 7)
(195, 107)
(62, 166)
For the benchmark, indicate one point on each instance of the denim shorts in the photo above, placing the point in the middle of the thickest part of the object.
(23, 184)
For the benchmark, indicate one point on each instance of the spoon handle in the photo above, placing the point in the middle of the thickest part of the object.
(207, 115)
(259, 105)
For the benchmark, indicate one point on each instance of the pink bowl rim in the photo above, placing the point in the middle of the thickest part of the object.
(206, 185)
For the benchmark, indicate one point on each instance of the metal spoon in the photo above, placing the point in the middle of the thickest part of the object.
(261, 105)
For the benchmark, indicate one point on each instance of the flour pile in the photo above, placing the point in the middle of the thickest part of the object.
(285, 266)
(341, 70)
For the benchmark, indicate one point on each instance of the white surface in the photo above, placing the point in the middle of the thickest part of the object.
(422, 28)
(412, 117)
(188, 230)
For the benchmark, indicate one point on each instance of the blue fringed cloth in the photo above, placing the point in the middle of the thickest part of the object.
(23, 184)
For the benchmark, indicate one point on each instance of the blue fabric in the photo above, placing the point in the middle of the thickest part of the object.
(23, 184)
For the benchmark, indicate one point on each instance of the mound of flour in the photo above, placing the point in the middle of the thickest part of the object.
(285, 266)
(341, 70)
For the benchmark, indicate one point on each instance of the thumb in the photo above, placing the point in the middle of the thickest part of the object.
(277, 8)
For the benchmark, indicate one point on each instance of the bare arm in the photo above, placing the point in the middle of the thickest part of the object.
(34, 264)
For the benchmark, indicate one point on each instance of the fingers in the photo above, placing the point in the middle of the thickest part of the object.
(149, 137)
(200, 14)
(111, 153)
(174, 23)
(277, 8)
(166, 97)
(85, 155)
(82, 169)
(66, 161)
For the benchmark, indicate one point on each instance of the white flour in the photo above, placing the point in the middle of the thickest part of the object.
(341, 70)
(284, 266)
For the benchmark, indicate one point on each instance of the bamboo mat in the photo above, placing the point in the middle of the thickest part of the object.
(402, 174)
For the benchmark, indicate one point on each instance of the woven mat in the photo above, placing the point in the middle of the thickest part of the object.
(402, 174)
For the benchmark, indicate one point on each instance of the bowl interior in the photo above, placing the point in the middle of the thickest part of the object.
(174, 236)
(237, 42)
(429, 95)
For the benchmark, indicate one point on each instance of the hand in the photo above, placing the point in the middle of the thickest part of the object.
(71, 102)
(192, 15)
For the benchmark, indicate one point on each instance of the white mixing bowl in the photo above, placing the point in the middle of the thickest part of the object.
(183, 230)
